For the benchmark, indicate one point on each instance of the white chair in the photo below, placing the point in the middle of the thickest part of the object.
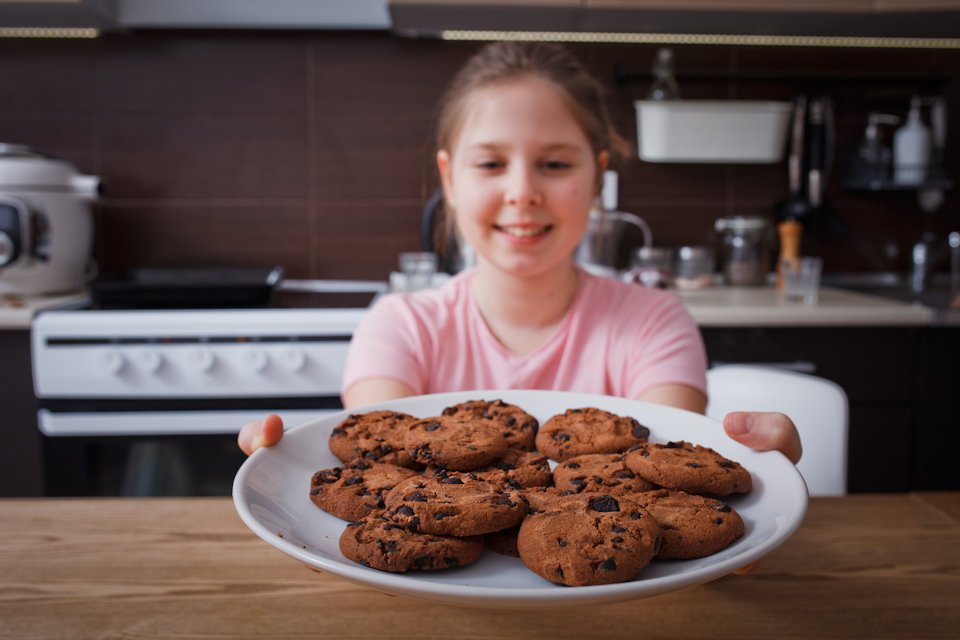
(817, 406)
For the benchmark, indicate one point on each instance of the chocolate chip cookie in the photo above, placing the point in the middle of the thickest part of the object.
(454, 506)
(379, 543)
(603, 472)
(457, 444)
(375, 435)
(516, 425)
(692, 526)
(517, 468)
(688, 467)
(592, 539)
(352, 491)
(588, 430)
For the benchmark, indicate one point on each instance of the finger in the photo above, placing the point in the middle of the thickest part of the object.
(247, 434)
(765, 432)
(260, 433)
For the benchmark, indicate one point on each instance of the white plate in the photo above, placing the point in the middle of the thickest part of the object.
(271, 495)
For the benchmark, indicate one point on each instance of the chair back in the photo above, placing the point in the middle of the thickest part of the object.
(818, 407)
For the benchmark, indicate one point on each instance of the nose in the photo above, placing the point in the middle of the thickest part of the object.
(522, 189)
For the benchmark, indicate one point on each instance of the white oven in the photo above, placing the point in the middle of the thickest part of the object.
(149, 402)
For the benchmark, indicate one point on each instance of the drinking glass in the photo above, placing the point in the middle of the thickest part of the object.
(801, 279)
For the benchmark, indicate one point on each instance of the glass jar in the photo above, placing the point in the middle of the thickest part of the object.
(746, 249)
(652, 267)
(694, 268)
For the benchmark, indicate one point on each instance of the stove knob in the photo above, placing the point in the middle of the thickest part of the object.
(150, 360)
(203, 359)
(255, 360)
(111, 361)
(293, 359)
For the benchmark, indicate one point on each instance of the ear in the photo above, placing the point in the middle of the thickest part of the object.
(444, 166)
(603, 161)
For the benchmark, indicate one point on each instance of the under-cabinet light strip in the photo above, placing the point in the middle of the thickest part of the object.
(707, 39)
(43, 32)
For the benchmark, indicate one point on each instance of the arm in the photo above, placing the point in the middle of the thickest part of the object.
(371, 390)
(676, 395)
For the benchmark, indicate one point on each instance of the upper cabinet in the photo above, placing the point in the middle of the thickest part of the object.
(194, 14)
(790, 18)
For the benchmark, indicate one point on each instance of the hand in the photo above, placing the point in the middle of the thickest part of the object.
(260, 433)
(765, 432)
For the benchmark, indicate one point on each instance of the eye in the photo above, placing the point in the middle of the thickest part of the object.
(556, 165)
(489, 165)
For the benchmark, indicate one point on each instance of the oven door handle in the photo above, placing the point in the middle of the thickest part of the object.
(163, 423)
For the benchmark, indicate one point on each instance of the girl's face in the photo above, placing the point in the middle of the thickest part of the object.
(521, 177)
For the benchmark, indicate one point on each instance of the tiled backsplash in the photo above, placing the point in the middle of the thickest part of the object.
(314, 150)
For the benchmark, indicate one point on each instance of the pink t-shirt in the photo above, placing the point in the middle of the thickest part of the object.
(617, 339)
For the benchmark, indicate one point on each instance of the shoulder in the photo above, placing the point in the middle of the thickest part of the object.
(616, 296)
(427, 305)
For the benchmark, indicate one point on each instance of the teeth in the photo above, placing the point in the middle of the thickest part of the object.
(524, 232)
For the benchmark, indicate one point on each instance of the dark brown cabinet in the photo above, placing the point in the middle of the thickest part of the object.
(20, 456)
(900, 384)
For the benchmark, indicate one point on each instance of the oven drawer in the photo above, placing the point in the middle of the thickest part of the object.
(163, 423)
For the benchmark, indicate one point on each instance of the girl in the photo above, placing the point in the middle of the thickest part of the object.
(523, 140)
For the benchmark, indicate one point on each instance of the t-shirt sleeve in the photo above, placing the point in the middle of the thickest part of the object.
(388, 343)
(667, 350)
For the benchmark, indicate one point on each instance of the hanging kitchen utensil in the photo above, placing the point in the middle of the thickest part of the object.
(822, 218)
(795, 206)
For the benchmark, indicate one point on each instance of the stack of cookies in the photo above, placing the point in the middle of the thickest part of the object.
(433, 493)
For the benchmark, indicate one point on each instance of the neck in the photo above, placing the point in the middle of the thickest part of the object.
(531, 303)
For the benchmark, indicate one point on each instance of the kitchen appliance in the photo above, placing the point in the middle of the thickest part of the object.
(599, 249)
(148, 401)
(46, 225)
(746, 249)
(179, 287)
(438, 234)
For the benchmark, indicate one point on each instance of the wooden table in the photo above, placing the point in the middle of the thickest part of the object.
(865, 566)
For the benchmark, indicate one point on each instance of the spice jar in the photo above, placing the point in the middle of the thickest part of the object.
(694, 268)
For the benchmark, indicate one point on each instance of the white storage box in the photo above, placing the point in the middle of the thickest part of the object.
(738, 131)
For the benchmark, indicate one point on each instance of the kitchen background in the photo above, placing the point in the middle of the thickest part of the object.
(314, 150)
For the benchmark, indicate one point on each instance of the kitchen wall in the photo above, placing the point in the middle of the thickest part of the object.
(314, 150)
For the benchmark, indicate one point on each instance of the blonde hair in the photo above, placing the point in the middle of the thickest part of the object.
(502, 61)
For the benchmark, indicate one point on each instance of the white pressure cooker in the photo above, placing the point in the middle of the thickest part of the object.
(46, 224)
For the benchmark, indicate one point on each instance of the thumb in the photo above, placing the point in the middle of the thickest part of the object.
(764, 431)
(260, 433)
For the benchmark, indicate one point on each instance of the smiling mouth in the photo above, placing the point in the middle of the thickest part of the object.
(525, 231)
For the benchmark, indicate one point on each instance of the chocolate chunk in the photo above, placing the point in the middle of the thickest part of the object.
(604, 504)
(640, 431)
(330, 475)
(609, 564)
(433, 426)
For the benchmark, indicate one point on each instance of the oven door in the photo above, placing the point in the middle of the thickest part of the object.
(128, 452)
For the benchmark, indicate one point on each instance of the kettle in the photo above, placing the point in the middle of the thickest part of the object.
(597, 251)
(46, 225)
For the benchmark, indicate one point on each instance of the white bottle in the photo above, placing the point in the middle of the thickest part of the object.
(911, 148)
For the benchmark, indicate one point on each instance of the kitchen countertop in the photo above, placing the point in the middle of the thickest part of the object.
(16, 312)
(724, 306)
(860, 566)
(719, 306)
